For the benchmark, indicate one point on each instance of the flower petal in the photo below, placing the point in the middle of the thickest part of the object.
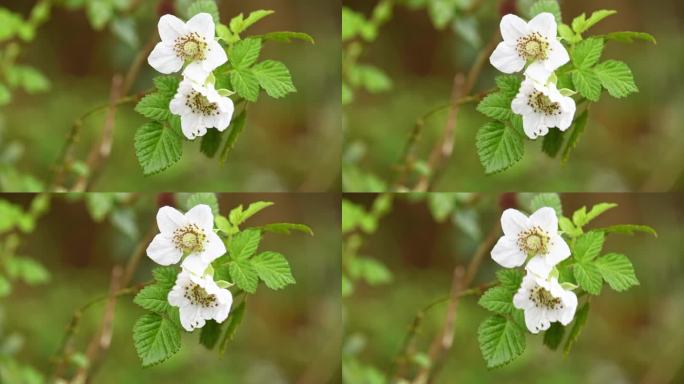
(170, 28)
(190, 318)
(513, 222)
(203, 24)
(558, 250)
(164, 59)
(513, 27)
(507, 254)
(545, 24)
(216, 56)
(546, 219)
(538, 265)
(214, 247)
(177, 297)
(532, 125)
(195, 71)
(534, 319)
(538, 72)
(506, 59)
(202, 216)
(569, 307)
(169, 219)
(568, 108)
(226, 302)
(190, 125)
(162, 250)
(558, 56)
(195, 264)
(521, 300)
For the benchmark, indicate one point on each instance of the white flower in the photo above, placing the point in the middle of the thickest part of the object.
(544, 302)
(191, 43)
(199, 299)
(534, 42)
(535, 236)
(201, 107)
(191, 235)
(542, 107)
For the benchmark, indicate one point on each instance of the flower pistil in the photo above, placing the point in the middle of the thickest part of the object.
(191, 47)
(533, 47)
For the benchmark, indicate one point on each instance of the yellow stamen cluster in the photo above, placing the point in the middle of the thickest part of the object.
(541, 103)
(534, 241)
(533, 47)
(191, 47)
(198, 296)
(543, 298)
(199, 104)
(189, 238)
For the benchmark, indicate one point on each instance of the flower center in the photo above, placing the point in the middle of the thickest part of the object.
(541, 103)
(189, 239)
(534, 241)
(198, 296)
(191, 47)
(543, 298)
(199, 104)
(533, 47)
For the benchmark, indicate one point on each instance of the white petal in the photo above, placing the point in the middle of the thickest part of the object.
(190, 318)
(224, 121)
(534, 319)
(190, 125)
(176, 297)
(545, 24)
(164, 59)
(169, 219)
(558, 250)
(507, 254)
(569, 307)
(224, 308)
(216, 56)
(531, 124)
(214, 247)
(513, 222)
(506, 59)
(170, 28)
(558, 56)
(162, 251)
(195, 264)
(202, 216)
(538, 72)
(568, 108)
(195, 71)
(177, 105)
(513, 27)
(538, 265)
(203, 24)
(521, 300)
(546, 219)
(519, 105)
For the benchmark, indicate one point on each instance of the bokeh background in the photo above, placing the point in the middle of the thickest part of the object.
(281, 141)
(630, 337)
(629, 144)
(287, 336)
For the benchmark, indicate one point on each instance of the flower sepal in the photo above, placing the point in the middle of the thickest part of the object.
(569, 286)
(224, 284)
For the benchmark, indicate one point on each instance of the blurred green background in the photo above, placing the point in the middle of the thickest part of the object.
(630, 337)
(287, 336)
(281, 141)
(629, 144)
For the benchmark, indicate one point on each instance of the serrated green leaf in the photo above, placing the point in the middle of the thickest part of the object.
(581, 24)
(508, 85)
(234, 320)
(552, 143)
(617, 271)
(286, 228)
(588, 246)
(166, 85)
(287, 37)
(616, 78)
(157, 147)
(154, 106)
(588, 277)
(245, 84)
(498, 300)
(550, 6)
(496, 105)
(239, 216)
(274, 78)
(234, 131)
(595, 212)
(245, 53)
(153, 298)
(587, 52)
(211, 332)
(628, 229)
(576, 131)
(501, 341)
(273, 269)
(587, 83)
(568, 227)
(510, 278)
(206, 198)
(577, 326)
(211, 142)
(499, 146)
(243, 245)
(244, 275)
(629, 37)
(165, 276)
(204, 6)
(554, 335)
(156, 338)
(239, 24)
(547, 200)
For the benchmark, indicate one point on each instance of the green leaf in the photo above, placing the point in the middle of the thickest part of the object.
(554, 335)
(510, 278)
(498, 299)
(5, 95)
(616, 78)
(553, 141)
(243, 245)
(576, 131)
(156, 338)
(587, 83)
(166, 86)
(441, 205)
(238, 216)
(628, 229)
(274, 78)
(100, 205)
(287, 37)
(629, 37)
(28, 78)
(581, 24)
(273, 269)
(5, 286)
(165, 276)
(153, 298)
(550, 6)
(286, 228)
(496, 105)
(157, 147)
(596, 211)
(588, 277)
(370, 270)
(501, 341)
(154, 106)
(210, 143)
(508, 85)
(239, 24)
(372, 78)
(99, 13)
(588, 246)
(587, 52)
(234, 320)
(617, 271)
(499, 147)
(245, 53)
(244, 275)
(206, 198)
(204, 6)
(245, 84)
(577, 326)
(547, 200)
(210, 334)
(26, 269)
(234, 131)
